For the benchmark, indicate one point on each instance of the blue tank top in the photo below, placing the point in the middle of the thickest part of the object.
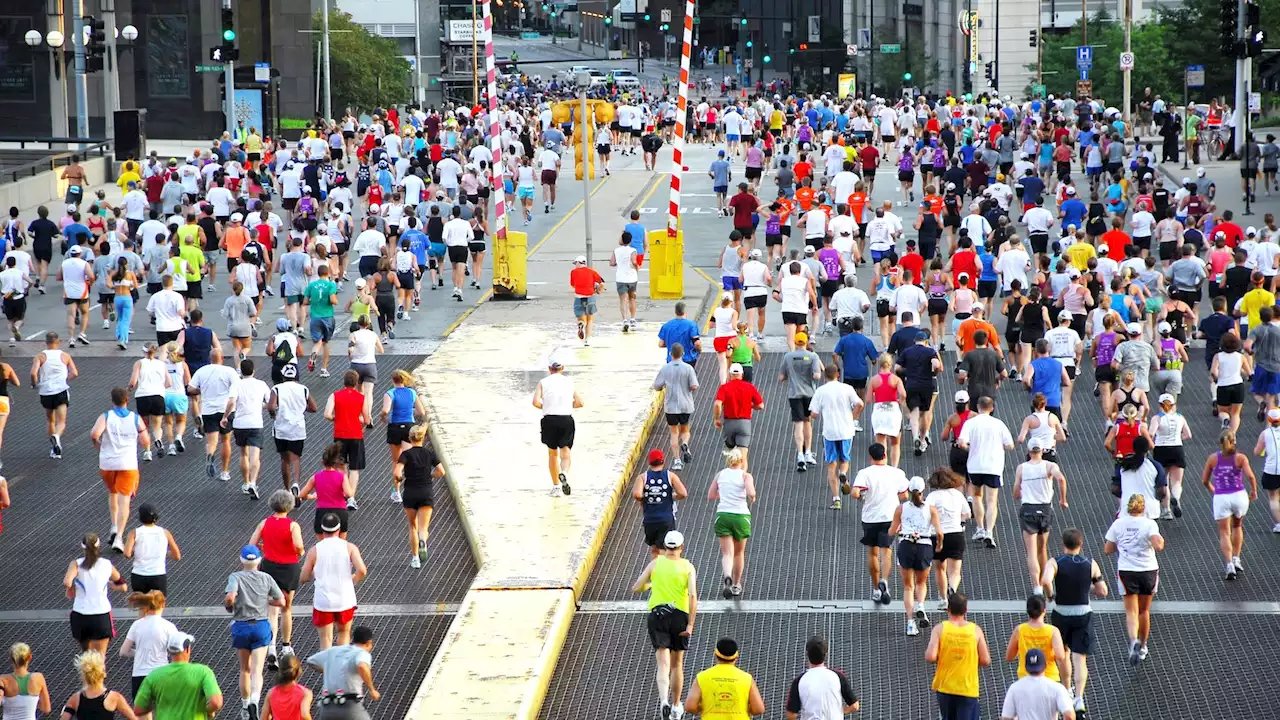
(988, 267)
(1118, 304)
(197, 347)
(403, 400)
(1073, 580)
(659, 499)
(1047, 378)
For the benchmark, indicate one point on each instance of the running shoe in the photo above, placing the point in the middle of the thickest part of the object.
(979, 534)
(990, 541)
(564, 485)
(1143, 653)
(224, 476)
(582, 331)
(146, 456)
(555, 491)
(921, 618)
(1166, 514)
(159, 445)
(626, 327)
(422, 550)
(801, 466)
(352, 504)
(1235, 562)
(917, 448)
(391, 334)
(876, 595)
(196, 433)
(810, 459)
(685, 455)
(172, 450)
(835, 504)
(396, 497)
(912, 630)
(311, 363)
(244, 489)
(118, 545)
(111, 537)
(677, 712)
(415, 563)
(106, 324)
(666, 711)
(1276, 528)
(845, 487)
(253, 491)
(286, 649)
(57, 447)
(1176, 507)
(1134, 649)
(726, 587)
(886, 595)
(324, 372)
(677, 464)
(210, 469)
(296, 494)
(273, 662)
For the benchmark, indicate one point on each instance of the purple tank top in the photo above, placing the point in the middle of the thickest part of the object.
(1168, 353)
(804, 134)
(773, 225)
(1227, 478)
(830, 259)
(907, 163)
(939, 156)
(1106, 343)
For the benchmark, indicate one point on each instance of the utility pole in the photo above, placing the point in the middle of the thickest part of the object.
(1244, 66)
(475, 55)
(229, 80)
(327, 108)
(82, 89)
(111, 71)
(1128, 74)
(57, 79)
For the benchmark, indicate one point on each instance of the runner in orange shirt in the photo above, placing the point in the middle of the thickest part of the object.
(805, 195)
(234, 239)
(857, 202)
(803, 169)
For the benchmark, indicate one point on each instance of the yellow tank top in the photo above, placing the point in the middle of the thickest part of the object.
(670, 580)
(957, 671)
(188, 233)
(1041, 637)
(725, 692)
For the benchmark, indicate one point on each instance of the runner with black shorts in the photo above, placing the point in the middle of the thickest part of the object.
(416, 469)
(657, 490)
(946, 493)
(349, 413)
(1072, 576)
(280, 538)
(556, 397)
(673, 606)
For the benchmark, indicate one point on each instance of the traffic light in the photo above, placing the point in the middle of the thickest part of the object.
(229, 51)
(750, 44)
(1254, 36)
(95, 44)
(647, 17)
(767, 57)
(906, 77)
(744, 22)
(990, 71)
(1035, 38)
(1228, 32)
(791, 51)
(608, 20)
(804, 46)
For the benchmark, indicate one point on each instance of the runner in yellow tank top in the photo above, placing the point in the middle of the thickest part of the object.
(959, 648)
(724, 691)
(1037, 634)
(673, 605)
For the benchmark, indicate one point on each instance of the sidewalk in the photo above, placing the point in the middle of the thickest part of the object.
(535, 552)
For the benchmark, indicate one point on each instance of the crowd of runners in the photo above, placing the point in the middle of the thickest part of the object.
(1035, 216)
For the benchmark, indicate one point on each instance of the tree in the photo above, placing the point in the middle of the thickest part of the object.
(890, 68)
(368, 71)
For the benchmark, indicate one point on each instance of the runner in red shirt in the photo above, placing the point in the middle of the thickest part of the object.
(1116, 239)
(870, 158)
(586, 283)
(913, 261)
(347, 410)
(964, 260)
(735, 401)
(1233, 232)
(744, 206)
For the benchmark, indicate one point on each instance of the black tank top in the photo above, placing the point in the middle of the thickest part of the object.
(1031, 318)
(1129, 399)
(384, 285)
(94, 708)
(1074, 578)
(1012, 314)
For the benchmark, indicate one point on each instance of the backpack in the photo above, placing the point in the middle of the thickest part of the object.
(283, 354)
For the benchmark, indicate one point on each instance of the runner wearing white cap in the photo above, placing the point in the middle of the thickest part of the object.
(672, 583)
(917, 527)
(1033, 490)
(1268, 446)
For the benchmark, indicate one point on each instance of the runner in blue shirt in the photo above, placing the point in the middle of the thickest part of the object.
(855, 353)
(1073, 211)
(680, 329)
(638, 236)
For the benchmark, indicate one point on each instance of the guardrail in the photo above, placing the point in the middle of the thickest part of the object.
(89, 147)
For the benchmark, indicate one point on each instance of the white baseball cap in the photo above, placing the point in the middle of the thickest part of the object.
(962, 396)
(580, 260)
(236, 217)
(673, 539)
(1133, 328)
(735, 369)
(1199, 172)
(1065, 314)
(916, 484)
(1035, 443)
(1167, 398)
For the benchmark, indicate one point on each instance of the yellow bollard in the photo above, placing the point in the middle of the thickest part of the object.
(510, 266)
(666, 265)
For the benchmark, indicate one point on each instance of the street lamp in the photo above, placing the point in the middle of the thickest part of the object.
(129, 33)
(53, 41)
(583, 81)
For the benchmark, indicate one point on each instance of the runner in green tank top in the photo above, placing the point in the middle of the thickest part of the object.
(673, 604)
(744, 351)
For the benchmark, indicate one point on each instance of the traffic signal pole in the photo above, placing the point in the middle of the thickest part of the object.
(1243, 69)
(111, 72)
(82, 88)
(228, 85)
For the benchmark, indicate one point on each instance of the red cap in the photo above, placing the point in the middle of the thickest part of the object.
(656, 457)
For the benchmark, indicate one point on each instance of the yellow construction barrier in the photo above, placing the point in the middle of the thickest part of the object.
(600, 112)
(510, 266)
(666, 265)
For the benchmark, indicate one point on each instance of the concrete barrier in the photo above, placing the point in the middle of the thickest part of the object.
(48, 188)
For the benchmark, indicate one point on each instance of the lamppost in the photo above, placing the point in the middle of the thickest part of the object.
(111, 83)
(583, 81)
(54, 40)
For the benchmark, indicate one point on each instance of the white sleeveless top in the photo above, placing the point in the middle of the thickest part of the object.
(916, 523)
(176, 377)
(91, 588)
(151, 374)
(733, 492)
(1229, 369)
(119, 444)
(150, 548)
(1045, 433)
(723, 317)
(335, 590)
(53, 374)
(1037, 489)
(1271, 436)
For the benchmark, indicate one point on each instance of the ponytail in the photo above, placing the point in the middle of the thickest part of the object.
(917, 498)
(92, 553)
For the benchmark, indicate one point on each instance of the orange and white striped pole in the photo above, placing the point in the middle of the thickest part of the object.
(495, 134)
(682, 116)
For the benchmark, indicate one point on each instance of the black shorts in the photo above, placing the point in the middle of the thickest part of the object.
(799, 408)
(398, 433)
(754, 173)
(293, 447)
(285, 574)
(1139, 582)
(418, 496)
(794, 318)
(474, 247)
(247, 437)
(920, 398)
(344, 519)
(1231, 394)
(147, 583)
(42, 252)
(677, 419)
(984, 480)
(1104, 374)
(883, 308)
(1077, 631)
(906, 176)
(212, 423)
(1039, 242)
(665, 625)
(987, 288)
(232, 262)
(1169, 251)
(914, 555)
(1035, 518)
(876, 535)
(1173, 456)
(755, 302)
(85, 628)
(167, 336)
(1270, 482)
(53, 402)
(952, 547)
(958, 460)
(1029, 337)
(15, 308)
(557, 431)
(827, 288)
(859, 384)
(195, 291)
(457, 253)
(352, 452)
(150, 405)
(937, 307)
(772, 240)
(656, 532)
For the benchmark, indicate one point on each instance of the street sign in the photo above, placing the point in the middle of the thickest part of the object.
(890, 49)
(1195, 76)
(1126, 61)
(1037, 91)
(749, 63)
(209, 68)
(864, 38)
(1255, 102)
(1084, 57)
(665, 15)
(815, 28)
(1084, 88)
(1084, 74)
(262, 72)
(851, 50)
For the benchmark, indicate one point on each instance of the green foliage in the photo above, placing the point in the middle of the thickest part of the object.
(890, 68)
(368, 71)
(294, 123)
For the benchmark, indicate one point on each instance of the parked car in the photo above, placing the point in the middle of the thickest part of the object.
(625, 79)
